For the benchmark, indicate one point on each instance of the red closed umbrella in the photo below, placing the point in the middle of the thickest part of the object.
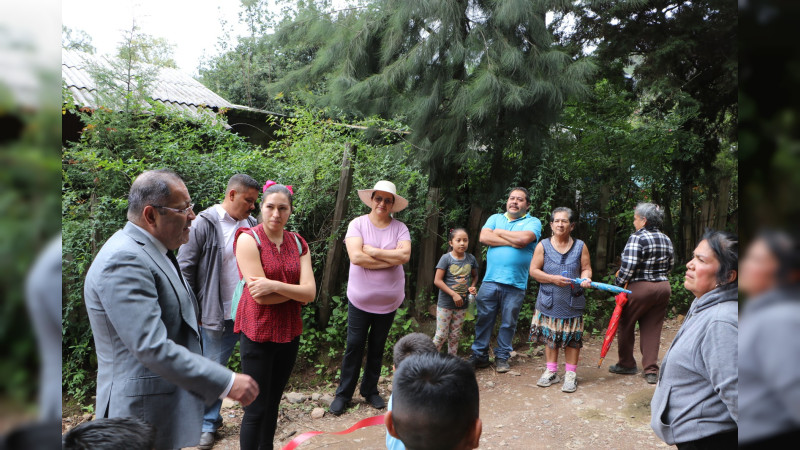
(613, 324)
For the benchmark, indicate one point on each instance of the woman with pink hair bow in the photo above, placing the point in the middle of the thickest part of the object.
(276, 266)
(271, 183)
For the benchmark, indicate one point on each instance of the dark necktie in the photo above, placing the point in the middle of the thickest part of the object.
(174, 262)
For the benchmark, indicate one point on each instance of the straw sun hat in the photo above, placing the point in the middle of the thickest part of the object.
(365, 195)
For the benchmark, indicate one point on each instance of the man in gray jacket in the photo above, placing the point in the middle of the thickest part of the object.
(144, 320)
(209, 266)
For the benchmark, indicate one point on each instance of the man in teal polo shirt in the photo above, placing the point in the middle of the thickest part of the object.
(511, 238)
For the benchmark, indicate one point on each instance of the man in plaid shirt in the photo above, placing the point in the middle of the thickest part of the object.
(647, 259)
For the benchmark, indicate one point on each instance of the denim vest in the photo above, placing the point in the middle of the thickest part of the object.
(560, 302)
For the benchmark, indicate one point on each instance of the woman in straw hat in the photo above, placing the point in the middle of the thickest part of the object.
(378, 246)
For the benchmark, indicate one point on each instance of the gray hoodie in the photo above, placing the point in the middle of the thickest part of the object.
(770, 394)
(697, 394)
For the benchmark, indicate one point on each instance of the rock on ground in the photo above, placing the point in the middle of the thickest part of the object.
(326, 399)
(295, 397)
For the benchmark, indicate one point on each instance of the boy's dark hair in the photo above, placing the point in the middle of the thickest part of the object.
(412, 344)
(435, 401)
(110, 434)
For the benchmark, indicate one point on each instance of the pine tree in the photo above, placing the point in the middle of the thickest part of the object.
(681, 55)
(462, 74)
(471, 78)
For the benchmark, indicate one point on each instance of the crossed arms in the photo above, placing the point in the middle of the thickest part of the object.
(370, 257)
(499, 237)
(272, 292)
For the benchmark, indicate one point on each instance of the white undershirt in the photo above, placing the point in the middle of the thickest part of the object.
(229, 272)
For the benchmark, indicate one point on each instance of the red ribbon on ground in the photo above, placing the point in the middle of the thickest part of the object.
(368, 422)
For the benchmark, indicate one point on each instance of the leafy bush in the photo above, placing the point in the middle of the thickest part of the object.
(681, 298)
(115, 147)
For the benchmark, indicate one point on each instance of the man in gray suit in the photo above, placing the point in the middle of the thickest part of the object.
(144, 320)
(209, 268)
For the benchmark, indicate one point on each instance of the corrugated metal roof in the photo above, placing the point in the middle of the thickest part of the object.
(171, 86)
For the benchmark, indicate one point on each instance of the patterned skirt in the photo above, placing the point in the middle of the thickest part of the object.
(556, 333)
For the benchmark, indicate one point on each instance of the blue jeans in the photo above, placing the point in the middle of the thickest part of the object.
(491, 299)
(217, 346)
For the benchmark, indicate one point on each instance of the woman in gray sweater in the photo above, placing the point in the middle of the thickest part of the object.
(695, 405)
(769, 384)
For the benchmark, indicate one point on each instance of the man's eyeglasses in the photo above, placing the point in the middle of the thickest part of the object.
(184, 211)
(387, 200)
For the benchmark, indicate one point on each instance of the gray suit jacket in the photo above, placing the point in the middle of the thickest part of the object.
(149, 355)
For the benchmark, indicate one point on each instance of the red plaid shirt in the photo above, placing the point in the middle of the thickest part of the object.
(272, 323)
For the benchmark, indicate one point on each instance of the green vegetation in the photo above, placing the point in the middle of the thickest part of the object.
(454, 102)
(117, 146)
(28, 200)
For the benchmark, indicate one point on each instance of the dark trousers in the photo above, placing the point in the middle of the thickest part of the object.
(363, 328)
(270, 364)
(721, 441)
(648, 306)
(787, 440)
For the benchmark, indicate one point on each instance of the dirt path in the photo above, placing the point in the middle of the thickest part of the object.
(607, 411)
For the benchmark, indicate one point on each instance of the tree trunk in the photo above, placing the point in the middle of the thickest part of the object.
(601, 254)
(334, 258)
(667, 228)
(705, 214)
(428, 251)
(477, 217)
(687, 219)
(723, 197)
(612, 245)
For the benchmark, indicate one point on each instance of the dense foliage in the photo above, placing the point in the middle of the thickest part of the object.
(769, 115)
(117, 146)
(29, 220)
(620, 101)
(454, 102)
(680, 57)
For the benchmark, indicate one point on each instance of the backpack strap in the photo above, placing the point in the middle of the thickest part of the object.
(299, 245)
(237, 292)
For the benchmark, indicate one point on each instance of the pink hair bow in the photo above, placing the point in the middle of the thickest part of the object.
(271, 183)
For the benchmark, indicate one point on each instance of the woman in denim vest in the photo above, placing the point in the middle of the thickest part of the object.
(558, 319)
